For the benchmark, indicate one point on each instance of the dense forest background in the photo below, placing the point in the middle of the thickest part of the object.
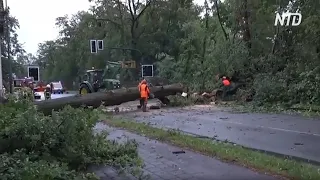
(193, 44)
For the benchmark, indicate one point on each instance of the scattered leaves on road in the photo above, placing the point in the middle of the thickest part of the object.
(225, 151)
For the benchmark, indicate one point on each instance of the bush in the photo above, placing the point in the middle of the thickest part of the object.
(299, 88)
(34, 146)
(270, 89)
(22, 166)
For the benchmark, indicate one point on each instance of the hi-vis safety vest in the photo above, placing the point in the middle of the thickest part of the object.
(226, 82)
(144, 91)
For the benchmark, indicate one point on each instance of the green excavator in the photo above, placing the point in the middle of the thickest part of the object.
(95, 80)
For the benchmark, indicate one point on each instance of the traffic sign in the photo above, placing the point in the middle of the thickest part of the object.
(96, 45)
(33, 72)
(100, 45)
(147, 70)
(93, 46)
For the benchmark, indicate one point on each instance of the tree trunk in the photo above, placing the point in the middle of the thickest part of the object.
(109, 98)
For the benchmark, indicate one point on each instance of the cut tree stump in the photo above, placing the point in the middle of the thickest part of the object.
(109, 98)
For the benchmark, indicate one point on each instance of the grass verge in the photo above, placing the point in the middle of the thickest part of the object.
(224, 151)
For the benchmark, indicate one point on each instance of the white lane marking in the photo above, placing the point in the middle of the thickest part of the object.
(278, 129)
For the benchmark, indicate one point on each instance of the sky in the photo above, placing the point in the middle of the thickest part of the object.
(37, 18)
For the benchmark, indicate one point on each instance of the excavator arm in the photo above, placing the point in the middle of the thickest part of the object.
(113, 67)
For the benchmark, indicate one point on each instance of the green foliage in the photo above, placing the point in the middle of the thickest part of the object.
(22, 166)
(268, 87)
(34, 146)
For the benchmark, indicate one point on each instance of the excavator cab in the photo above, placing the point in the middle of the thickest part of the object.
(95, 76)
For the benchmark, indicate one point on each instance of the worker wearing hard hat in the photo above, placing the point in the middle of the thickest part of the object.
(47, 92)
(226, 85)
(140, 83)
(144, 94)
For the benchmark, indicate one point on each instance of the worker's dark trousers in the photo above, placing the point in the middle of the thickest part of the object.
(225, 91)
(47, 94)
(143, 103)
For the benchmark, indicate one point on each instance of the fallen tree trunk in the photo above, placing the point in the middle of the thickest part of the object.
(108, 98)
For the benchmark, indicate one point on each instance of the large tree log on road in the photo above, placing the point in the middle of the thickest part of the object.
(108, 98)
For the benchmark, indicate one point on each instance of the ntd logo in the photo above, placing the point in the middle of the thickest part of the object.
(294, 18)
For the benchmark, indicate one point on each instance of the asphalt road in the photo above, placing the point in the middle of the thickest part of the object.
(162, 163)
(284, 134)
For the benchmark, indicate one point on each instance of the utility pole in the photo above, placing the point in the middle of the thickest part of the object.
(2, 25)
(9, 49)
(1, 82)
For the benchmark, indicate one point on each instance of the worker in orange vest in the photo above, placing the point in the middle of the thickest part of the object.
(226, 85)
(144, 94)
(47, 92)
